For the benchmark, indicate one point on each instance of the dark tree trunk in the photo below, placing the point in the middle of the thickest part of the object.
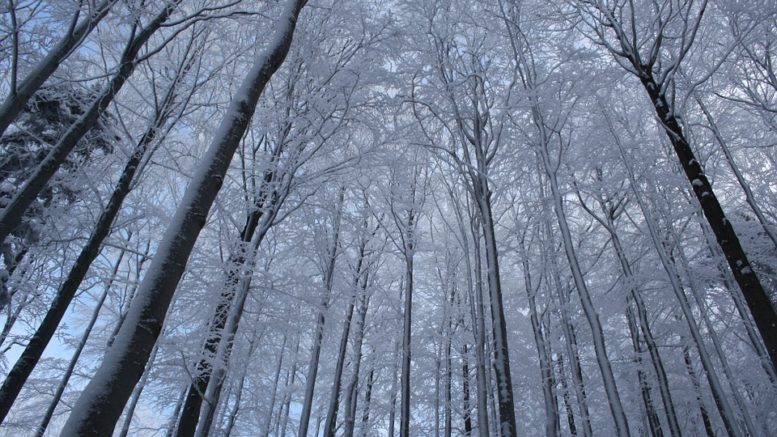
(757, 300)
(43, 335)
(101, 403)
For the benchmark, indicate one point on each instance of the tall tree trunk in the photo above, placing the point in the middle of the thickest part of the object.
(475, 294)
(283, 414)
(647, 334)
(501, 364)
(600, 348)
(12, 214)
(77, 353)
(74, 35)
(567, 404)
(45, 332)
(136, 394)
(467, 412)
(257, 224)
(546, 367)
(654, 423)
(330, 424)
(567, 326)
(404, 410)
(100, 405)
(705, 416)
(277, 375)
(761, 306)
(352, 390)
(393, 391)
(721, 401)
(365, 429)
(318, 335)
(232, 417)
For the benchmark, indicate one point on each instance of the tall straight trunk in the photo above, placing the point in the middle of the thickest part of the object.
(330, 424)
(67, 291)
(232, 417)
(705, 416)
(352, 390)
(100, 405)
(647, 334)
(318, 336)
(276, 377)
(227, 338)
(567, 326)
(502, 376)
(567, 404)
(552, 425)
(465, 396)
(600, 348)
(365, 428)
(12, 214)
(77, 353)
(718, 395)
(393, 391)
(448, 381)
(283, 414)
(136, 394)
(761, 306)
(404, 405)
(475, 293)
(654, 423)
(257, 224)
(74, 35)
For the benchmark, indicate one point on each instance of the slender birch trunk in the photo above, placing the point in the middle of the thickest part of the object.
(101, 403)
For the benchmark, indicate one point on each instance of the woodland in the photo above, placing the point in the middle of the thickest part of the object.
(389, 218)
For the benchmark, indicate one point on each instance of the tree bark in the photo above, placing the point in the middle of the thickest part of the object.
(761, 307)
(101, 403)
(77, 353)
(31, 355)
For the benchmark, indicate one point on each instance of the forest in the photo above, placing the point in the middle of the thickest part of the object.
(388, 218)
